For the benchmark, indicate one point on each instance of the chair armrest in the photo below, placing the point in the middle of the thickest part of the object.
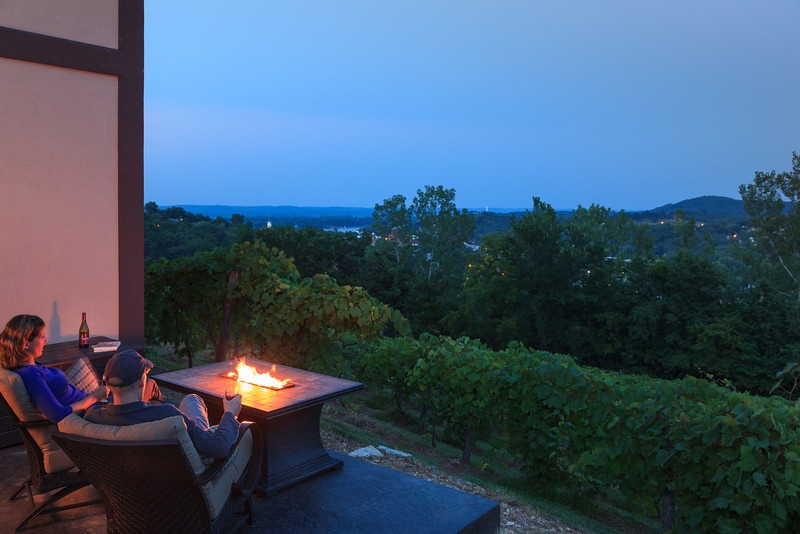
(218, 464)
(248, 485)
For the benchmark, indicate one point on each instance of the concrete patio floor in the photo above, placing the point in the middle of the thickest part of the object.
(359, 498)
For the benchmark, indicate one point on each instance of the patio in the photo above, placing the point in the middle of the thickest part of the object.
(359, 498)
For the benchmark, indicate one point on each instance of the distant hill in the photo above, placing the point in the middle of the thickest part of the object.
(705, 206)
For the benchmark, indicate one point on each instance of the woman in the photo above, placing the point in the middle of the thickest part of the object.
(21, 342)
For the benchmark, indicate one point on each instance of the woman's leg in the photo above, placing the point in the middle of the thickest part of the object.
(195, 409)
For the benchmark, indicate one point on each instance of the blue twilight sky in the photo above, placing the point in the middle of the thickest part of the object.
(628, 104)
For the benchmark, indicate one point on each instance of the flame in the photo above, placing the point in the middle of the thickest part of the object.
(249, 374)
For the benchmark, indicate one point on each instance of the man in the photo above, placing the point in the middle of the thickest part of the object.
(126, 376)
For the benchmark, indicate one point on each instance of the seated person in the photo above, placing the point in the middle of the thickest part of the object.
(21, 342)
(125, 375)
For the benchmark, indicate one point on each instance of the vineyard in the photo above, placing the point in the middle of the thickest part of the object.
(697, 455)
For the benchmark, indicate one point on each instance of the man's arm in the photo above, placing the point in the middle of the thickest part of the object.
(215, 443)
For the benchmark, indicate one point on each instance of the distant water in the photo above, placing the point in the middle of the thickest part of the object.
(354, 229)
(276, 211)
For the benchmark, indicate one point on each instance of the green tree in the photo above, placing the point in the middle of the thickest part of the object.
(440, 255)
(418, 259)
(492, 296)
(773, 203)
(173, 232)
(768, 277)
(254, 296)
(516, 289)
(682, 324)
(316, 251)
(151, 208)
(598, 246)
(387, 270)
(391, 222)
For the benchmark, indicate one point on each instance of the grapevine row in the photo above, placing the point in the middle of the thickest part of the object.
(702, 457)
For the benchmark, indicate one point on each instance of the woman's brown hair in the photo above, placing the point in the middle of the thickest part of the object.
(18, 330)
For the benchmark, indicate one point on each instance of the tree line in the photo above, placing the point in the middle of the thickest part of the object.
(597, 285)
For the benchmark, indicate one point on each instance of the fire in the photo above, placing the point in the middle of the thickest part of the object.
(248, 373)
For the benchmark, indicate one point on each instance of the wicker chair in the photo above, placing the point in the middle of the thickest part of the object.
(158, 483)
(50, 468)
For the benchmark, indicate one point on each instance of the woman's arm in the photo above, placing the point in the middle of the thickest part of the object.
(101, 393)
(42, 397)
(53, 408)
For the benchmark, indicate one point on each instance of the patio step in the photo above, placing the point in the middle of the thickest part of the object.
(362, 497)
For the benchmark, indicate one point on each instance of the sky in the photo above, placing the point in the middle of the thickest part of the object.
(625, 104)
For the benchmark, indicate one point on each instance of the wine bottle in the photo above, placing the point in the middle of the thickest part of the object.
(83, 333)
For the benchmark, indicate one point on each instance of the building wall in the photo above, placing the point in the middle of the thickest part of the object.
(71, 165)
(84, 21)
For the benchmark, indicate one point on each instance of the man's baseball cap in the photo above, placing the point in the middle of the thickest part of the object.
(125, 368)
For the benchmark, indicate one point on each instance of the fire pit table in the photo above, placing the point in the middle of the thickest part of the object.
(288, 417)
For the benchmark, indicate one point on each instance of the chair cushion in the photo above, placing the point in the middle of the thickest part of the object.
(216, 491)
(169, 428)
(13, 390)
